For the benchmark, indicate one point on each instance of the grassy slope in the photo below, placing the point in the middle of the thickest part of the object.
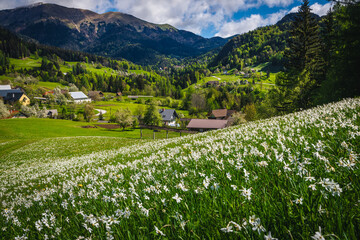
(50, 85)
(288, 175)
(31, 62)
(114, 105)
(17, 133)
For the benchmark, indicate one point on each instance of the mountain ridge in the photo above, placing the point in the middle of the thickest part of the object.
(111, 34)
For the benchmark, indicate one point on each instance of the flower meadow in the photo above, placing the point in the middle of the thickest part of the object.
(290, 177)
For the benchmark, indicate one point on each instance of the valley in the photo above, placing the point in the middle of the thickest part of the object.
(113, 127)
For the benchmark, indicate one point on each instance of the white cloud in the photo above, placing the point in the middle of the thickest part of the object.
(250, 23)
(321, 10)
(282, 3)
(254, 21)
(316, 8)
(191, 15)
(294, 9)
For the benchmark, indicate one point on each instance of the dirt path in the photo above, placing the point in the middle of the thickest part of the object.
(100, 111)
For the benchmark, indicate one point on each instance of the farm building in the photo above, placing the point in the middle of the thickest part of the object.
(79, 97)
(202, 125)
(221, 114)
(10, 96)
(169, 116)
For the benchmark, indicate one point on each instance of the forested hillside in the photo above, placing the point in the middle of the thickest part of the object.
(265, 44)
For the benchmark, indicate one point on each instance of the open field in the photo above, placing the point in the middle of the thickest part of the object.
(112, 106)
(18, 134)
(26, 63)
(50, 85)
(290, 177)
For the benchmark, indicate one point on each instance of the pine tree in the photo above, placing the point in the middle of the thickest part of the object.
(304, 66)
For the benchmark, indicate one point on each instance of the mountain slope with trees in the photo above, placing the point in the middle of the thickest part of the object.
(265, 44)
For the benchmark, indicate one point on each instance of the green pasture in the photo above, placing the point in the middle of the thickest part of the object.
(18, 133)
(50, 85)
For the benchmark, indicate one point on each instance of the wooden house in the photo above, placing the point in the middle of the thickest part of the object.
(202, 125)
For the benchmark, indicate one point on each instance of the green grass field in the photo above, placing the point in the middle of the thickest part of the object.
(15, 134)
(290, 177)
(25, 63)
(50, 85)
(112, 106)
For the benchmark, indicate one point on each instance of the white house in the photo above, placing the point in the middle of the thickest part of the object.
(169, 116)
(79, 97)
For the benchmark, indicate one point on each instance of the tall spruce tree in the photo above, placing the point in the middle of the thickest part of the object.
(343, 76)
(304, 64)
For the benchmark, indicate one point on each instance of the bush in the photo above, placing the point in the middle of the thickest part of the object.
(4, 112)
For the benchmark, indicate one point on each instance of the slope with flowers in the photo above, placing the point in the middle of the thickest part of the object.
(290, 177)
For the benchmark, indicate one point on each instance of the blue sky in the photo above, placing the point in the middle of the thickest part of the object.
(207, 18)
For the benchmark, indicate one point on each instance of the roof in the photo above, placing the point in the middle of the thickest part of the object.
(11, 94)
(78, 95)
(207, 123)
(168, 114)
(219, 113)
(5, 87)
(222, 113)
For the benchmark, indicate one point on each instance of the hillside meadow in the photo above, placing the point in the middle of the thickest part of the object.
(67, 138)
(290, 177)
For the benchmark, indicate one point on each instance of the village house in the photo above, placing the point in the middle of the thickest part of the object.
(79, 97)
(221, 114)
(169, 117)
(202, 125)
(11, 96)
